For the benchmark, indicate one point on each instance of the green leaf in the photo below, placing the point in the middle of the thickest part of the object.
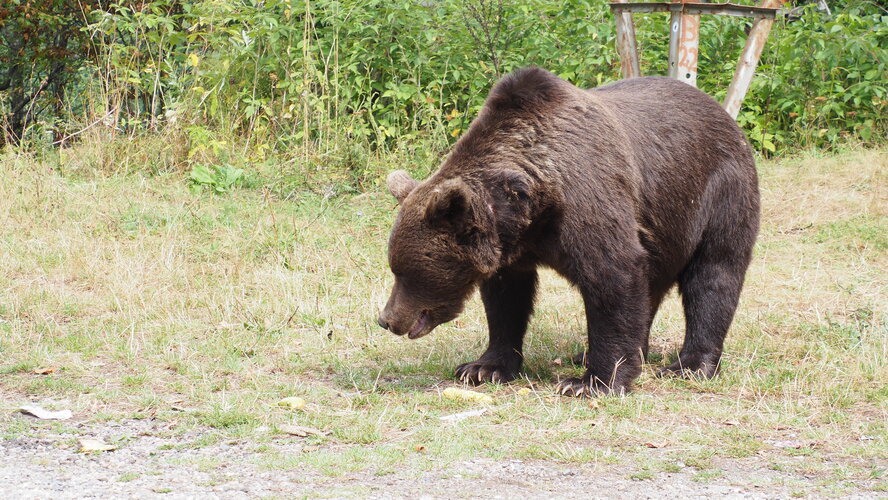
(201, 174)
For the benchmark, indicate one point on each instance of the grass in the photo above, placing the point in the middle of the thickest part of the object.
(127, 477)
(148, 299)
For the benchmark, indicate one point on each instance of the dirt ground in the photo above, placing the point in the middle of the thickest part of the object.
(152, 462)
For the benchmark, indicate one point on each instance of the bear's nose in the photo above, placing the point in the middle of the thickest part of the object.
(383, 323)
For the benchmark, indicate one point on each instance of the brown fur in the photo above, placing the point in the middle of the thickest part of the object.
(625, 190)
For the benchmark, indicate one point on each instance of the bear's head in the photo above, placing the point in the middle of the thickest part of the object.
(443, 243)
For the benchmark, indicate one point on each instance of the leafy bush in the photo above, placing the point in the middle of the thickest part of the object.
(41, 47)
(219, 178)
(323, 86)
(824, 80)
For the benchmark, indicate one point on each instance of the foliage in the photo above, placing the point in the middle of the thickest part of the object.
(220, 178)
(41, 47)
(825, 79)
(323, 85)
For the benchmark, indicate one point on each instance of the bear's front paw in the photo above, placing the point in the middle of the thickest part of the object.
(478, 372)
(582, 388)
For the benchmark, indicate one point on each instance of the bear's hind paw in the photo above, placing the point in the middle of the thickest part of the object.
(698, 367)
(578, 388)
(573, 387)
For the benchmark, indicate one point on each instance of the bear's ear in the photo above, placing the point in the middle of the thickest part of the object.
(449, 207)
(400, 184)
(452, 208)
(516, 184)
(527, 88)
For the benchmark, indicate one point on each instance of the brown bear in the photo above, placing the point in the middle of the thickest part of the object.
(624, 190)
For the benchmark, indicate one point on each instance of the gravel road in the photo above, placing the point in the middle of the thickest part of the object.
(152, 462)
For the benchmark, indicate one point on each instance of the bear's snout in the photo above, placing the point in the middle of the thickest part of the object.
(382, 322)
(404, 322)
(395, 316)
(388, 321)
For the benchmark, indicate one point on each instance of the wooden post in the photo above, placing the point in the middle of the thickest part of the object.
(626, 45)
(684, 39)
(749, 59)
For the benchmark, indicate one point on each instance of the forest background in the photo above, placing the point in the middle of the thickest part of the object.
(330, 95)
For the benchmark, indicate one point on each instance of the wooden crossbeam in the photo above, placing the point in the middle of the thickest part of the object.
(684, 37)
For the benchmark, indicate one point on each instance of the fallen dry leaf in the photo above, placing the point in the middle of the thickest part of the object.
(44, 414)
(95, 445)
(465, 395)
(293, 403)
(45, 370)
(655, 445)
(300, 430)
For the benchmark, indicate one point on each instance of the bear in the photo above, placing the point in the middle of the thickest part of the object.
(625, 190)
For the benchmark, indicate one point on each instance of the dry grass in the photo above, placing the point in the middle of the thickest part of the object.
(145, 298)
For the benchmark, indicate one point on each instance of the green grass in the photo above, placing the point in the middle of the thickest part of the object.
(148, 298)
(127, 477)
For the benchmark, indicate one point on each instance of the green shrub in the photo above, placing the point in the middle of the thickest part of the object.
(324, 85)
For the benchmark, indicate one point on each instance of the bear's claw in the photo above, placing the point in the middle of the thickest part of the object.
(573, 387)
(693, 367)
(579, 388)
(687, 373)
(478, 373)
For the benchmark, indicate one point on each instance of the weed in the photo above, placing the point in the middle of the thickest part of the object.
(20, 367)
(219, 178)
(642, 476)
(706, 476)
(226, 418)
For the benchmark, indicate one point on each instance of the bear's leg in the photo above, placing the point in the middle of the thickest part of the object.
(616, 322)
(508, 302)
(656, 298)
(710, 288)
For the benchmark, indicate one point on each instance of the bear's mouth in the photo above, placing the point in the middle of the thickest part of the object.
(420, 327)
